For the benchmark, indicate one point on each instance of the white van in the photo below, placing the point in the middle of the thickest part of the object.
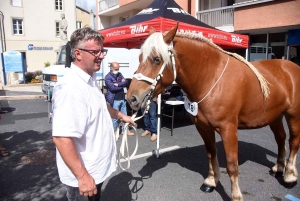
(128, 60)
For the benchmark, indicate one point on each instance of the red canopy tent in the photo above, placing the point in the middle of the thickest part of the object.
(162, 15)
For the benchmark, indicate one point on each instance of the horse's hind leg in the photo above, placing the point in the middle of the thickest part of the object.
(212, 179)
(280, 136)
(291, 174)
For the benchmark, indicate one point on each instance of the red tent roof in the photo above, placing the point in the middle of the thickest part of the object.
(162, 15)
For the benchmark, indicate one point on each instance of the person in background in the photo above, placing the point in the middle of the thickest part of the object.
(82, 128)
(68, 55)
(3, 151)
(115, 96)
(150, 121)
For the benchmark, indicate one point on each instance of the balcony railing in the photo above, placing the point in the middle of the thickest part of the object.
(217, 17)
(106, 4)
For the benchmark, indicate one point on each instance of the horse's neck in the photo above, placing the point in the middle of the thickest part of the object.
(199, 65)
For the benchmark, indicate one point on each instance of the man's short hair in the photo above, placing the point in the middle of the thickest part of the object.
(82, 35)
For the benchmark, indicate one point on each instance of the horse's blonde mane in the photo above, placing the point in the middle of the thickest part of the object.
(156, 43)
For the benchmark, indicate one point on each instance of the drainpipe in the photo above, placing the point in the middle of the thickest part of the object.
(196, 8)
(2, 47)
(288, 53)
(267, 45)
(97, 15)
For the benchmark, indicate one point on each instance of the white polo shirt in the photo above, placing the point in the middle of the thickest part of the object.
(80, 112)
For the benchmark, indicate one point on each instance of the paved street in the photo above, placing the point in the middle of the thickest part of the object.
(29, 172)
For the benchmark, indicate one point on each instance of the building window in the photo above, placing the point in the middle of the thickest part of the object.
(16, 3)
(59, 5)
(57, 29)
(78, 25)
(122, 19)
(17, 26)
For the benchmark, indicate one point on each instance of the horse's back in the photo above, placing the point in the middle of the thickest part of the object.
(281, 72)
(282, 75)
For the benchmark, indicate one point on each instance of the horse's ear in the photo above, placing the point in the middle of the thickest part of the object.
(168, 38)
(152, 30)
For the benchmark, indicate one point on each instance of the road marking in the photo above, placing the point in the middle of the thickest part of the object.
(292, 198)
(23, 97)
(151, 153)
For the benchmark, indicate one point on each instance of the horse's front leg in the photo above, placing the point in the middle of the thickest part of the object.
(213, 177)
(230, 143)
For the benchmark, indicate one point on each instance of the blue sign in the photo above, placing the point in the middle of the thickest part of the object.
(30, 46)
(12, 61)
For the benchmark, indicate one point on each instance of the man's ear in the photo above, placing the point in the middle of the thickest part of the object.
(77, 54)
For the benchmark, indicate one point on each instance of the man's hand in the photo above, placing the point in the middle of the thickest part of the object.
(127, 119)
(123, 80)
(87, 186)
(116, 84)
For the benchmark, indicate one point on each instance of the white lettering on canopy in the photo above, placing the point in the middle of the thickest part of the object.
(138, 29)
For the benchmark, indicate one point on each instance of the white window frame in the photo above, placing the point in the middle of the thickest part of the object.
(78, 24)
(18, 30)
(17, 3)
(57, 33)
(57, 5)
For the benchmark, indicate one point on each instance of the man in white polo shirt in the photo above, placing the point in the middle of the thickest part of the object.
(82, 127)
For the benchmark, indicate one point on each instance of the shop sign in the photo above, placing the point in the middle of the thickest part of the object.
(32, 47)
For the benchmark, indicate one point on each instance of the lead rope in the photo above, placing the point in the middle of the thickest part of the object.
(124, 143)
(215, 83)
(153, 82)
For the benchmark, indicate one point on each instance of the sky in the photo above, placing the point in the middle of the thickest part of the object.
(87, 5)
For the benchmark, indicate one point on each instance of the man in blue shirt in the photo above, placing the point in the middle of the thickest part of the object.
(115, 96)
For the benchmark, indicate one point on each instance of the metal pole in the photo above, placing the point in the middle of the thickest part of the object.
(2, 48)
(267, 46)
(288, 53)
(158, 124)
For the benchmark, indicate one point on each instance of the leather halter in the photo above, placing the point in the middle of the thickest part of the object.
(153, 82)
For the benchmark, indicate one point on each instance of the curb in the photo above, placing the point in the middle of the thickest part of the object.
(22, 85)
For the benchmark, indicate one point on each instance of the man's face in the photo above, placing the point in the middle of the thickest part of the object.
(115, 67)
(88, 61)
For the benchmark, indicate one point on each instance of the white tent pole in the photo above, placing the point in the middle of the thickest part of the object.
(158, 124)
(267, 46)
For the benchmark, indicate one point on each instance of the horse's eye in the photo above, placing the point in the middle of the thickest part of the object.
(156, 60)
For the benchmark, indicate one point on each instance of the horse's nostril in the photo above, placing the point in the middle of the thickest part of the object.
(133, 99)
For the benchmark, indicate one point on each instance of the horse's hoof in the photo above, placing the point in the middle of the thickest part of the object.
(207, 189)
(290, 185)
(276, 174)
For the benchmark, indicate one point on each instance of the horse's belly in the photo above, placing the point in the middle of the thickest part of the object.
(258, 120)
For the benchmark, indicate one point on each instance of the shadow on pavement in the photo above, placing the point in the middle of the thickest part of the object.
(35, 181)
(118, 187)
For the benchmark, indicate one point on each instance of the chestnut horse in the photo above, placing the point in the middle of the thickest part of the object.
(230, 94)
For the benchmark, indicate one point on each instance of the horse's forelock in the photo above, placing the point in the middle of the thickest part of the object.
(155, 44)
